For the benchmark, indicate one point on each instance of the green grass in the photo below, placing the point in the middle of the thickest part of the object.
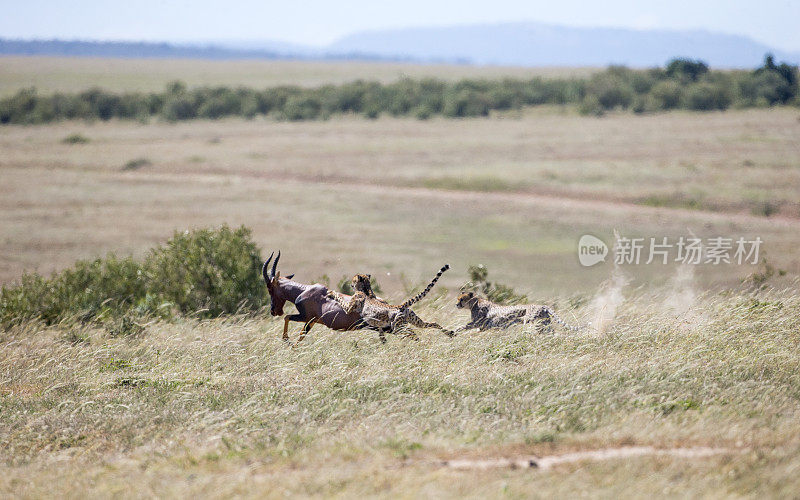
(222, 407)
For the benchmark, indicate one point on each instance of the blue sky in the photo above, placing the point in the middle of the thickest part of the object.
(315, 22)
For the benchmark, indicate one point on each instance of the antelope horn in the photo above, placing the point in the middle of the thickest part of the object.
(265, 268)
(275, 265)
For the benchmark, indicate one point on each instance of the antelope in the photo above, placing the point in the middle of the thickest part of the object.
(312, 303)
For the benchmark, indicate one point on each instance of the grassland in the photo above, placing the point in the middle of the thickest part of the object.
(223, 407)
(401, 196)
(74, 74)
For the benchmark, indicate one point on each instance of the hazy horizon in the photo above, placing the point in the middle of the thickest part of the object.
(317, 23)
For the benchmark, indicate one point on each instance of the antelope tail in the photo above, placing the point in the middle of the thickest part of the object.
(413, 300)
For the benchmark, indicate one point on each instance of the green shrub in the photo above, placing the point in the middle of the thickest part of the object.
(591, 106)
(125, 326)
(768, 87)
(686, 70)
(611, 90)
(665, 95)
(465, 103)
(302, 108)
(83, 292)
(766, 208)
(422, 112)
(19, 107)
(639, 104)
(642, 81)
(372, 112)
(213, 108)
(75, 139)
(136, 164)
(249, 106)
(212, 272)
(496, 292)
(179, 107)
(707, 97)
(176, 87)
(783, 80)
(70, 107)
(217, 271)
(617, 87)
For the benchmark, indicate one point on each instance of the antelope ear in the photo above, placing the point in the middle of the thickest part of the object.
(369, 277)
(290, 276)
(277, 276)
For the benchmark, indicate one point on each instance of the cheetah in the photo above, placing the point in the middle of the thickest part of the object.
(379, 314)
(487, 314)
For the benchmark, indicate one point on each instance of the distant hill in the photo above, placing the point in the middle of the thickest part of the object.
(124, 49)
(535, 44)
(217, 51)
(512, 44)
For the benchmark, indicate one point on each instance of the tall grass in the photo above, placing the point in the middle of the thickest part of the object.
(223, 407)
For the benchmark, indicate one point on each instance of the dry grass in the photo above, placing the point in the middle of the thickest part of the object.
(528, 188)
(224, 407)
(74, 74)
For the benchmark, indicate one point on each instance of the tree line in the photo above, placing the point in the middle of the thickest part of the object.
(681, 84)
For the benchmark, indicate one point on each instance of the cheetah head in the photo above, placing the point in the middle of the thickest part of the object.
(361, 283)
(467, 300)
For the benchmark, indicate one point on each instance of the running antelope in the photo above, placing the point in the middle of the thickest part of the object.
(312, 303)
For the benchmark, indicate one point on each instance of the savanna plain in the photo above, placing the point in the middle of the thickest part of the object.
(696, 369)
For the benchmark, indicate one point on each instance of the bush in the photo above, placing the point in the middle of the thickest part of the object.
(75, 139)
(179, 108)
(19, 107)
(686, 70)
(785, 86)
(212, 272)
(422, 112)
(707, 97)
(214, 108)
(496, 292)
(83, 292)
(617, 87)
(176, 87)
(639, 104)
(216, 271)
(591, 106)
(665, 95)
(302, 108)
(136, 164)
(611, 90)
(769, 87)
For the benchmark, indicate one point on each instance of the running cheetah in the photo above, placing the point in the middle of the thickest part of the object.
(487, 314)
(378, 313)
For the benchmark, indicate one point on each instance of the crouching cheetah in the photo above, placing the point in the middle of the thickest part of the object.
(379, 314)
(487, 314)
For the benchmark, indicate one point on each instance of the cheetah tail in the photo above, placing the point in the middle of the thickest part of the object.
(413, 300)
(563, 323)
